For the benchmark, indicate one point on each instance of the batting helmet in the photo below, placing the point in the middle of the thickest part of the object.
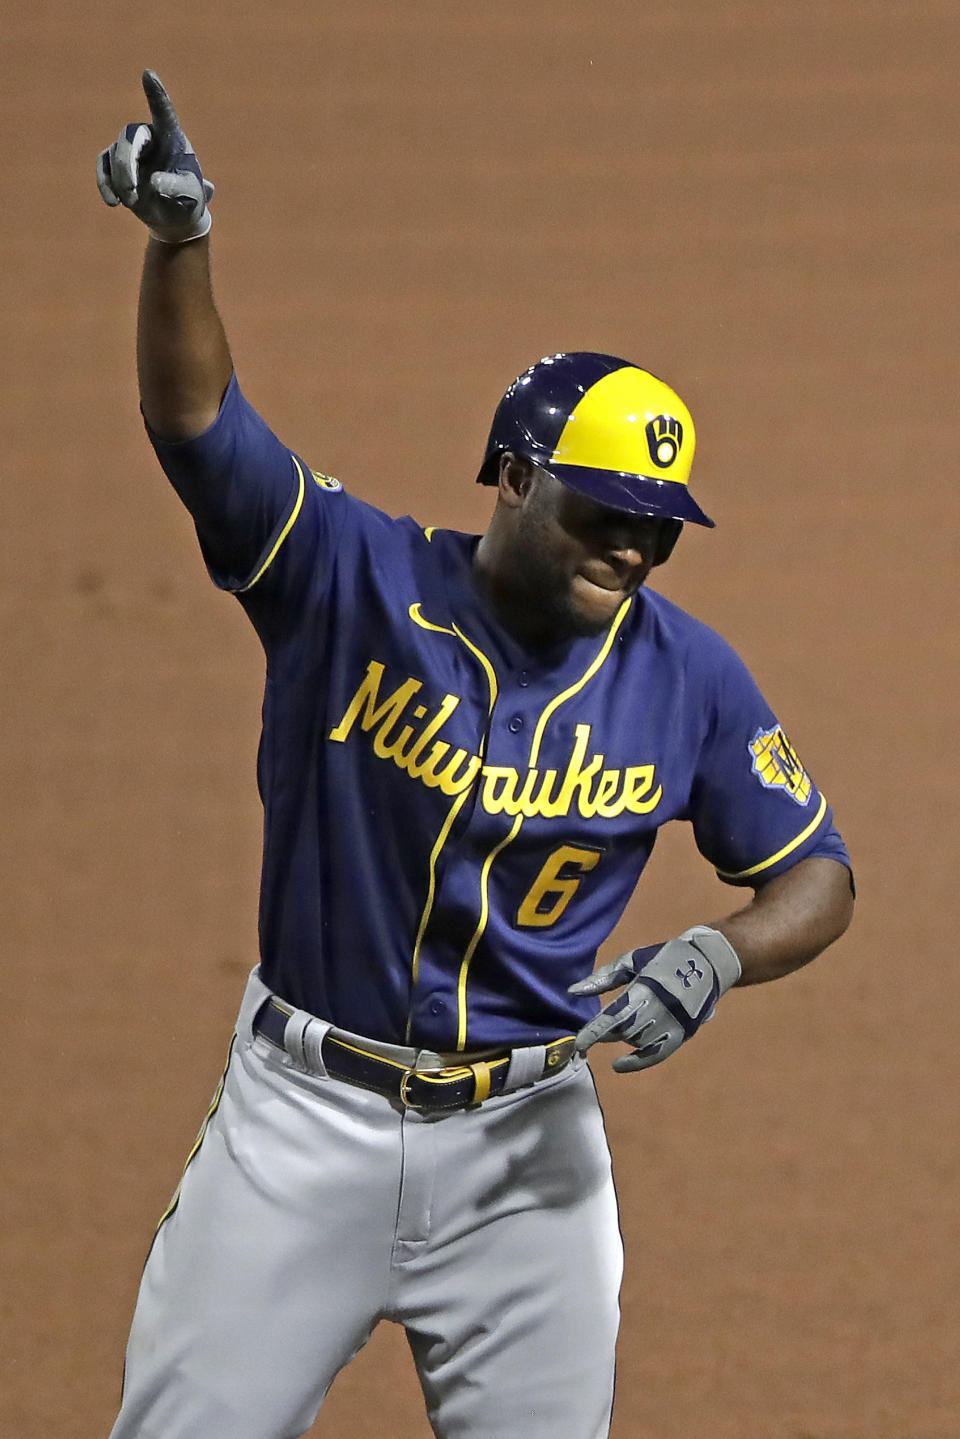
(603, 427)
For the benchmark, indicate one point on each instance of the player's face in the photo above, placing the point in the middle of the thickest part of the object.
(578, 560)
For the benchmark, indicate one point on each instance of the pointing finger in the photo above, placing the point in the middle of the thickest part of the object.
(163, 114)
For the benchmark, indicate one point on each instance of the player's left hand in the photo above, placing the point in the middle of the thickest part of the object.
(671, 989)
(153, 171)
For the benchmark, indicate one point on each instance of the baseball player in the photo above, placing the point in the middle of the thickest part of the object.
(469, 745)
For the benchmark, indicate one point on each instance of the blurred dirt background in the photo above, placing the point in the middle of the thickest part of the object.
(415, 201)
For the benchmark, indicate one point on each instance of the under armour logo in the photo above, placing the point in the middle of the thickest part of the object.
(664, 438)
(686, 978)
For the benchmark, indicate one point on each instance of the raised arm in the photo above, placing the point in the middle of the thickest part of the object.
(183, 359)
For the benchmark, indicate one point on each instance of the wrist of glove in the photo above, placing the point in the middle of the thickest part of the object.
(670, 991)
(153, 171)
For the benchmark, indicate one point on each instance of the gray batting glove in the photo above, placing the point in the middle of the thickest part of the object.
(671, 989)
(152, 170)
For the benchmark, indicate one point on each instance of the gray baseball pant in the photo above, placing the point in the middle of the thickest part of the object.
(311, 1209)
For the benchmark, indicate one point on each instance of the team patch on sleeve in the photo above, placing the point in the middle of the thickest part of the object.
(326, 482)
(776, 764)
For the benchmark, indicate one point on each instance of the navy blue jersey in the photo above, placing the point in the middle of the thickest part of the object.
(453, 825)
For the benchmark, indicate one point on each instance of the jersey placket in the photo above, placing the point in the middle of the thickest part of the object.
(513, 742)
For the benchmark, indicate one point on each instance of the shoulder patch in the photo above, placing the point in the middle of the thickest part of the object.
(776, 764)
(326, 482)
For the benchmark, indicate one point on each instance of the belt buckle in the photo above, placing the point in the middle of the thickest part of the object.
(481, 1086)
(405, 1099)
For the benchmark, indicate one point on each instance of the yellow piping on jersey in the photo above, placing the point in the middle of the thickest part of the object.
(591, 670)
(491, 679)
(455, 808)
(538, 733)
(787, 848)
(282, 535)
(478, 932)
(441, 840)
(418, 619)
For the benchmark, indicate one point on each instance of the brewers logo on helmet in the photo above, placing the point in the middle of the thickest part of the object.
(603, 427)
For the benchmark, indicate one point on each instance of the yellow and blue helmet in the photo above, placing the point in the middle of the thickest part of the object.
(603, 427)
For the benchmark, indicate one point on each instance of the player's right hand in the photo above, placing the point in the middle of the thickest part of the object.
(153, 171)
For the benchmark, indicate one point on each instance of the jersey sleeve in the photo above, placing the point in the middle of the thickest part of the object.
(266, 523)
(755, 810)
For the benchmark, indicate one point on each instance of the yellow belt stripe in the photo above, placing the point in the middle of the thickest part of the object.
(481, 1069)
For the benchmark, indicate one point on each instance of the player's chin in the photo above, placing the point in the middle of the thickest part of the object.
(594, 604)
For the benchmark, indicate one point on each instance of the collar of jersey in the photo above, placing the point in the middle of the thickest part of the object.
(472, 612)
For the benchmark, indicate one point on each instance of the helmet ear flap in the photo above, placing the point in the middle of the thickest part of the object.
(666, 539)
(490, 469)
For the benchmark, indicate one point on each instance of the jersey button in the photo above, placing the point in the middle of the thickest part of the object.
(436, 1006)
(516, 724)
(523, 678)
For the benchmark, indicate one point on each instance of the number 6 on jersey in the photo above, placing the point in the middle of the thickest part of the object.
(556, 884)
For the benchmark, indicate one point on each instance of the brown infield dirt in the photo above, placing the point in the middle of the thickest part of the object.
(415, 201)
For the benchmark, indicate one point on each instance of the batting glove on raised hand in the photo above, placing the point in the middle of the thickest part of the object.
(671, 989)
(152, 170)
